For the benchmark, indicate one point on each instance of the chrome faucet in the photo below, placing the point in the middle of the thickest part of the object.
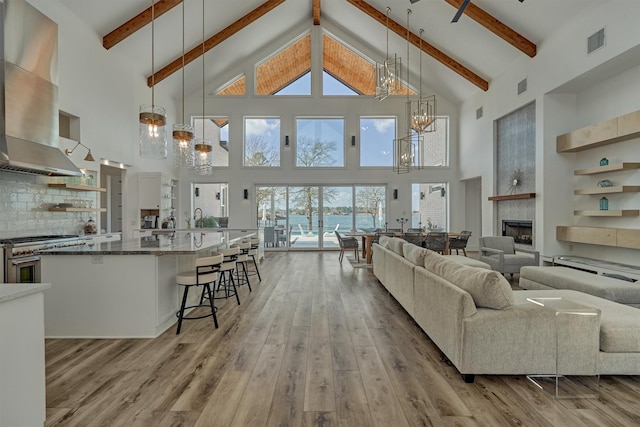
(195, 218)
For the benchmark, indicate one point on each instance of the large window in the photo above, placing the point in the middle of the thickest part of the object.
(429, 206)
(376, 141)
(436, 144)
(320, 142)
(262, 142)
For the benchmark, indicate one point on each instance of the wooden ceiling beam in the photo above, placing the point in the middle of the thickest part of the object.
(498, 28)
(316, 12)
(213, 41)
(426, 47)
(137, 22)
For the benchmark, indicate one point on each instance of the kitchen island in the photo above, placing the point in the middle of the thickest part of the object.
(122, 289)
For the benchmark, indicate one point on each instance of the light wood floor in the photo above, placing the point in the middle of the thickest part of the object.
(315, 344)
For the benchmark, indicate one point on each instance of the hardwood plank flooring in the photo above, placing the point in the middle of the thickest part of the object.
(316, 343)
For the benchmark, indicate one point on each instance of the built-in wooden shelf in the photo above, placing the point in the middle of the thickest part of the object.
(52, 209)
(513, 197)
(610, 131)
(624, 212)
(608, 168)
(77, 187)
(618, 237)
(608, 190)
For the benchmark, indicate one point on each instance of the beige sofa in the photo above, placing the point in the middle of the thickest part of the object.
(484, 327)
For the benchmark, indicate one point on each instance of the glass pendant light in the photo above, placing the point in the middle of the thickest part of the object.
(203, 149)
(153, 118)
(183, 148)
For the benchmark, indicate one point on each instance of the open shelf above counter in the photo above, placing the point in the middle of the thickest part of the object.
(513, 197)
(608, 190)
(52, 209)
(608, 168)
(77, 187)
(623, 212)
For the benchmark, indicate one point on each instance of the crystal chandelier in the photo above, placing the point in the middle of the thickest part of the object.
(423, 110)
(183, 149)
(388, 72)
(203, 149)
(152, 127)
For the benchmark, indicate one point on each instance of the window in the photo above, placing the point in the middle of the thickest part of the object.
(376, 141)
(429, 205)
(370, 207)
(436, 144)
(320, 142)
(333, 86)
(285, 67)
(301, 86)
(262, 142)
(216, 130)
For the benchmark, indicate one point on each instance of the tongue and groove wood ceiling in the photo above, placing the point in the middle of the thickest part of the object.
(459, 58)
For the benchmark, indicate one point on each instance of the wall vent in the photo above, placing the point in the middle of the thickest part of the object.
(522, 86)
(479, 113)
(595, 41)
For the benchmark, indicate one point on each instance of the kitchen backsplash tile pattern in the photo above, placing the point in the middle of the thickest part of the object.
(24, 203)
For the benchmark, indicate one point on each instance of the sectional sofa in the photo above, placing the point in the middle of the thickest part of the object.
(484, 327)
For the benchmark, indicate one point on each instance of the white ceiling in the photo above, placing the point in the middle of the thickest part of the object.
(466, 41)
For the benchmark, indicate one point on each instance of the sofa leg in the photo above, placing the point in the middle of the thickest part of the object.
(468, 378)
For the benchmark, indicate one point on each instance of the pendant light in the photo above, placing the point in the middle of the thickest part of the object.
(153, 119)
(423, 116)
(183, 149)
(203, 149)
(407, 150)
(388, 72)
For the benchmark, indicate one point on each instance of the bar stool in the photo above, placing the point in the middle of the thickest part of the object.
(205, 273)
(226, 280)
(253, 252)
(242, 261)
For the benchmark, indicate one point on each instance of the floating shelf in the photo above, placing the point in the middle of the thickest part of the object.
(617, 129)
(624, 212)
(608, 168)
(609, 190)
(77, 209)
(513, 197)
(618, 237)
(78, 187)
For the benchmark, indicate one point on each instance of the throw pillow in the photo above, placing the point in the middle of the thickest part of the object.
(488, 288)
(384, 241)
(396, 244)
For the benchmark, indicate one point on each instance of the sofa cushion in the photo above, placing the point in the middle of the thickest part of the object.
(470, 262)
(414, 254)
(396, 244)
(489, 289)
(384, 241)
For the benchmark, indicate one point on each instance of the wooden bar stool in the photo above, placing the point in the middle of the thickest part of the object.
(241, 262)
(253, 253)
(205, 273)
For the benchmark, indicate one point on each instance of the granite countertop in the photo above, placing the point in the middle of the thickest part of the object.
(161, 244)
(11, 291)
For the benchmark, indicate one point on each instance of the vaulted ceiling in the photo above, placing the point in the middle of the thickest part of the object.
(460, 58)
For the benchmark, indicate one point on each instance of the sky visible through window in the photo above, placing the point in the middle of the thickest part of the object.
(376, 141)
(330, 86)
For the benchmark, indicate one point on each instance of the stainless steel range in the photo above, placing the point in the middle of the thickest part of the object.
(21, 259)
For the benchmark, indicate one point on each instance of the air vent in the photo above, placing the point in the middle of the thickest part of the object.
(595, 41)
(479, 113)
(522, 86)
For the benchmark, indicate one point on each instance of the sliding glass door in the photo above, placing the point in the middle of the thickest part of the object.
(307, 217)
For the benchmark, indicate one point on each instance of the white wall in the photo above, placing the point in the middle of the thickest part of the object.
(560, 59)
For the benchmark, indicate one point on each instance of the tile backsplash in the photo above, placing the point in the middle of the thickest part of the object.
(25, 201)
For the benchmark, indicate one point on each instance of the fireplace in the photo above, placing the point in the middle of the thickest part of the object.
(521, 231)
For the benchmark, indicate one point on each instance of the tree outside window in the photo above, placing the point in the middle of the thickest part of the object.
(262, 142)
(320, 143)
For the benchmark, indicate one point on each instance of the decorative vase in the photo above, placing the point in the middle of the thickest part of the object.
(605, 183)
(604, 204)
(604, 161)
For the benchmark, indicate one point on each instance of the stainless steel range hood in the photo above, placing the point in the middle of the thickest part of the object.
(29, 138)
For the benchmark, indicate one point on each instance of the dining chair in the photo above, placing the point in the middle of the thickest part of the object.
(413, 237)
(347, 244)
(459, 242)
(437, 241)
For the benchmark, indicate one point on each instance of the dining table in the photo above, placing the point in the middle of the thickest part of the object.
(367, 242)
